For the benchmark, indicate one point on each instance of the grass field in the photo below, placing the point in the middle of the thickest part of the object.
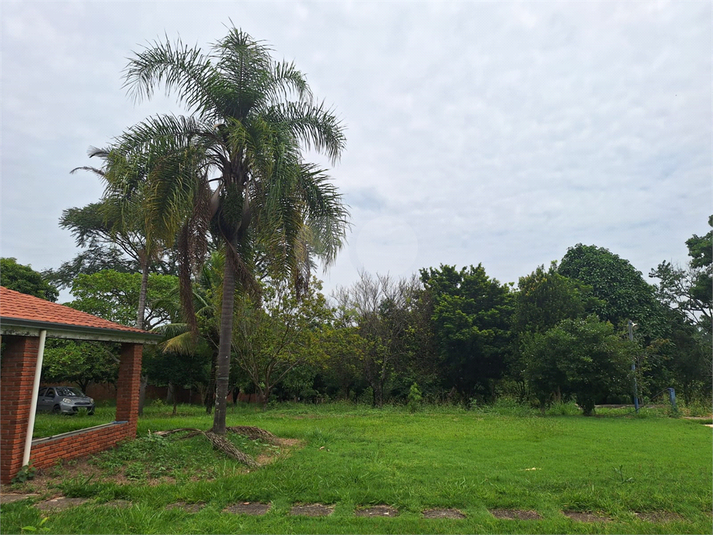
(646, 474)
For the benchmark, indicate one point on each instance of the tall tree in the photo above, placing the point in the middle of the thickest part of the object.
(281, 333)
(472, 314)
(584, 358)
(381, 308)
(235, 167)
(118, 220)
(690, 289)
(621, 288)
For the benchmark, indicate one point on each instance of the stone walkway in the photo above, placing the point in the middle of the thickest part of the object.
(318, 509)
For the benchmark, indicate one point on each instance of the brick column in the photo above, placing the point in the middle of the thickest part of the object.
(128, 385)
(16, 378)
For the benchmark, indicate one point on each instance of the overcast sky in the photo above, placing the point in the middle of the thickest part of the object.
(499, 133)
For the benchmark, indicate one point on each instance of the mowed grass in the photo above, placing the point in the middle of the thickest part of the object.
(351, 457)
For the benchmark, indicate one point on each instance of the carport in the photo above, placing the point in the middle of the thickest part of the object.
(25, 323)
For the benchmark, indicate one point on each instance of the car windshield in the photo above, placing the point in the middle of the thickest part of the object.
(70, 392)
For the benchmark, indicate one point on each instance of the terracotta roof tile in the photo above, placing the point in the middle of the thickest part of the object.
(27, 307)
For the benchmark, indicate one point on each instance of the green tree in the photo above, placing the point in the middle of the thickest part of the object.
(381, 309)
(25, 280)
(690, 289)
(622, 291)
(114, 296)
(688, 293)
(119, 220)
(80, 362)
(273, 338)
(544, 298)
(583, 358)
(472, 316)
(251, 118)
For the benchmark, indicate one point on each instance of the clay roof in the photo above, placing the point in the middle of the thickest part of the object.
(26, 310)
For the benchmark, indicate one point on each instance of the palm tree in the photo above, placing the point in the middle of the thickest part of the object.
(117, 219)
(234, 169)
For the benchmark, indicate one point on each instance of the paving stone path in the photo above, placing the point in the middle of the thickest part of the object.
(318, 509)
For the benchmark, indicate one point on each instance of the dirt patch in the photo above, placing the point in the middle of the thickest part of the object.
(10, 498)
(585, 517)
(248, 508)
(311, 509)
(658, 516)
(187, 507)
(377, 510)
(515, 514)
(60, 504)
(443, 513)
(285, 444)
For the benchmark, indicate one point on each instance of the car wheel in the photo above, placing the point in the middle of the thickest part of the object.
(56, 409)
(90, 412)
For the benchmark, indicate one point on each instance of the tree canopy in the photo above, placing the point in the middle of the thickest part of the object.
(25, 280)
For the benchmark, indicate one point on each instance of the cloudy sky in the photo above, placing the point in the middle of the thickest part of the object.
(499, 133)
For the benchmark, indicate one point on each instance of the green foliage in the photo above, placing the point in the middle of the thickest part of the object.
(622, 291)
(79, 362)
(544, 298)
(583, 358)
(26, 473)
(114, 296)
(471, 319)
(414, 398)
(251, 118)
(25, 280)
(281, 333)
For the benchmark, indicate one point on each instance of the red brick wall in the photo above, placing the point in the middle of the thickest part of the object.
(16, 379)
(47, 453)
(129, 384)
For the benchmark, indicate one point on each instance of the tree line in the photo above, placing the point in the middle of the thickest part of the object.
(444, 334)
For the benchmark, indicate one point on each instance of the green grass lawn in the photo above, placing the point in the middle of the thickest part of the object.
(350, 456)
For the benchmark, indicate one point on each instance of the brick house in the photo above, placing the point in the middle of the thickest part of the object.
(25, 323)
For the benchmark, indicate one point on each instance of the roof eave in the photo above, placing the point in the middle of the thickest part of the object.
(25, 327)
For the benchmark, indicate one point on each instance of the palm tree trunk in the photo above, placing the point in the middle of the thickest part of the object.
(141, 311)
(224, 345)
(140, 314)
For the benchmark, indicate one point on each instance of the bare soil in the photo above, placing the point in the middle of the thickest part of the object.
(60, 504)
(658, 516)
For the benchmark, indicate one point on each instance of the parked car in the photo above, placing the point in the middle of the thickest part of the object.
(64, 399)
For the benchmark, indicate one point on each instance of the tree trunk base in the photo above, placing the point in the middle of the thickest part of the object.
(222, 444)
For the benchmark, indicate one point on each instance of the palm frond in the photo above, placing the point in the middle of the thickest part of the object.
(178, 67)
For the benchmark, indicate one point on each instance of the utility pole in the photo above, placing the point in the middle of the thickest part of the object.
(633, 367)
